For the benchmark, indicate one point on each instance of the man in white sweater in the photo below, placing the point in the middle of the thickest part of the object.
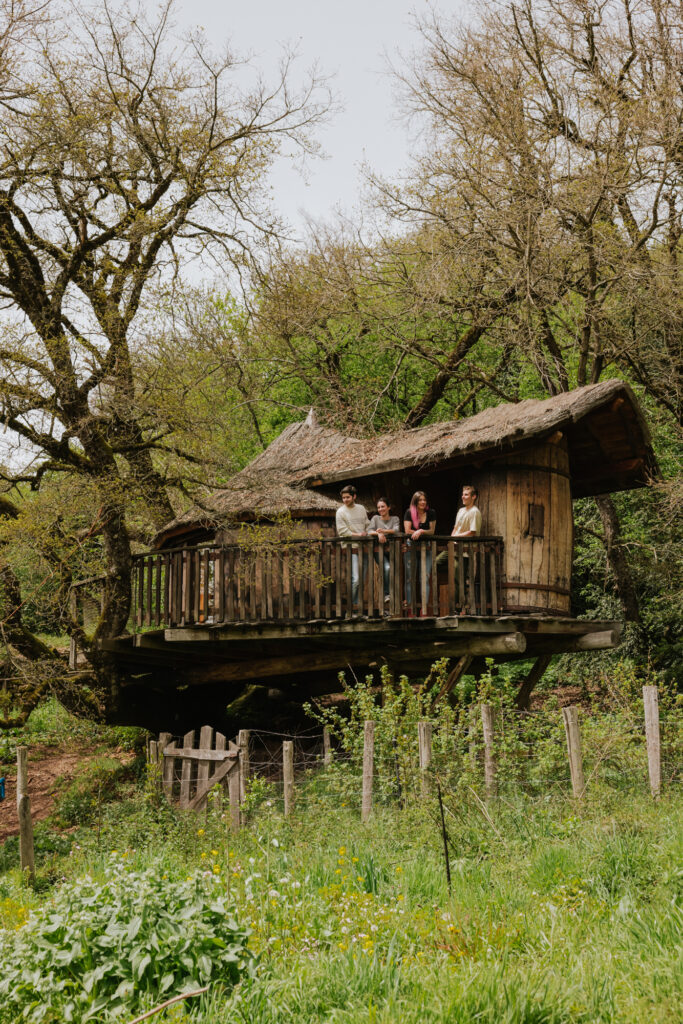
(352, 521)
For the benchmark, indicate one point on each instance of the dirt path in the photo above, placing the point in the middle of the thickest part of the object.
(45, 766)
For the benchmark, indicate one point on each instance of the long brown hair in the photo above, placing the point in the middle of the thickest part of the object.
(414, 513)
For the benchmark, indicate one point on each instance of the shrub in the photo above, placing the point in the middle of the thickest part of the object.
(105, 949)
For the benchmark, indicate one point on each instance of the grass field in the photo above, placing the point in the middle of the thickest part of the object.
(558, 911)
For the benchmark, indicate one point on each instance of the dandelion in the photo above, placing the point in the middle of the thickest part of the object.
(214, 853)
(201, 831)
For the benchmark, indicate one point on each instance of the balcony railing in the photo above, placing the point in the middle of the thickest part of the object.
(327, 578)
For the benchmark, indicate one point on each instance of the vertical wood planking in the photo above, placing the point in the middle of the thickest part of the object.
(205, 743)
(186, 772)
(424, 578)
(168, 767)
(349, 590)
(652, 738)
(571, 727)
(251, 586)
(368, 769)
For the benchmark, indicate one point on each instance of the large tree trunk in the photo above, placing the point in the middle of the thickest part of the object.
(616, 556)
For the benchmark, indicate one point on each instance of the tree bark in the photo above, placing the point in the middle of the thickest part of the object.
(616, 556)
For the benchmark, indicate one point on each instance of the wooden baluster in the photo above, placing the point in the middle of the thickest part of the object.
(278, 606)
(483, 601)
(140, 591)
(349, 592)
(369, 548)
(435, 587)
(394, 550)
(450, 549)
(251, 577)
(317, 582)
(472, 579)
(291, 585)
(303, 582)
(230, 584)
(240, 583)
(412, 569)
(494, 582)
(338, 580)
(424, 581)
(460, 549)
(327, 569)
(264, 586)
(209, 598)
(219, 584)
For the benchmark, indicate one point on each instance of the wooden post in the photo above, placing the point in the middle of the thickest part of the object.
(168, 767)
(571, 728)
(26, 852)
(288, 775)
(186, 772)
(243, 744)
(327, 746)
(424, 742)
(368, 768)
(234, 792)
(488, 723)
(654, 764)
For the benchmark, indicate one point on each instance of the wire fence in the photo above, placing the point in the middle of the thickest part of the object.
(526, 752)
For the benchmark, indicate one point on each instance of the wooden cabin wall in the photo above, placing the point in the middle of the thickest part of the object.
(526, 498)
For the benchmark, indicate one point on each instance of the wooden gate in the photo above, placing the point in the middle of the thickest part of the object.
(189, 772)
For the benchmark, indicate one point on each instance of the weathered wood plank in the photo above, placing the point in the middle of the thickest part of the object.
(186, 771)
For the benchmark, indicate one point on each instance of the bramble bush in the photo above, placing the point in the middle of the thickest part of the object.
(104, 950)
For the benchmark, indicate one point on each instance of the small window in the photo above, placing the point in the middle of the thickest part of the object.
(536, 520)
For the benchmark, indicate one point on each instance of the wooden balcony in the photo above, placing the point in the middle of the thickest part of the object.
(306, 580)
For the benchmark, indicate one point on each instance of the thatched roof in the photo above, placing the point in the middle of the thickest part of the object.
(609, 449)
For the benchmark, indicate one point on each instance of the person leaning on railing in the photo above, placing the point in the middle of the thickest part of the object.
(467, 523)
(379, 526)
(352, 521)
(419, 520)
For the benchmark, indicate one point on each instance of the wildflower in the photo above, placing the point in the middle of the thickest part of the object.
(216, 869)
(214, 853)
(201, 831)
(274, 842)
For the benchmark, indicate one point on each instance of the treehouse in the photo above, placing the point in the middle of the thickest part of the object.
(254, 587)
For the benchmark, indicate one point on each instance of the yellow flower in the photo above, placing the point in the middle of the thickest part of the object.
(200, 831)
(342, 851)
(338, 871)
(399, 869)
(214, 853)
(354, 860)
(216, 869)
(203, 855)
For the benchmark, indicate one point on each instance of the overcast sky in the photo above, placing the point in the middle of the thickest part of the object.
(348, 39)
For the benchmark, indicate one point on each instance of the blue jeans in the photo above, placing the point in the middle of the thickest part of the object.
(382, 561)
(355, 574)
(413, 550)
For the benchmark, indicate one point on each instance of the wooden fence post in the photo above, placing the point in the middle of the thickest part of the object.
(288, 775)
(488, 724)
(368, 768)
(571, 728)
(26, 851)
(424, 742)
(243, 744)
(327, 746)
(234, 791)
(654, 763)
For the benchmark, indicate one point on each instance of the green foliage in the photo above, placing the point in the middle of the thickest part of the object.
(80, 803)
(102, 950)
